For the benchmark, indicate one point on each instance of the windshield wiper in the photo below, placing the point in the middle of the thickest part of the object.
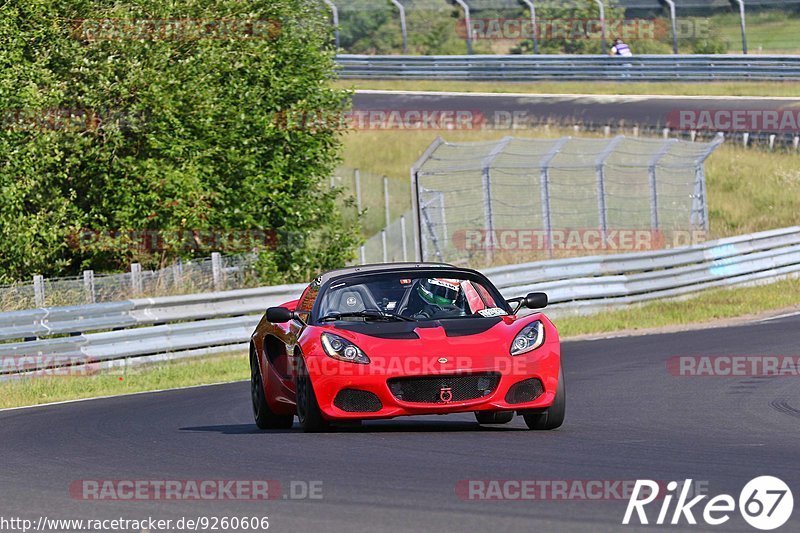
(367, 313)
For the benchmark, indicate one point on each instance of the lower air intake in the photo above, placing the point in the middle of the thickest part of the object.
(525, 391)
(444, 389)
(357, 401)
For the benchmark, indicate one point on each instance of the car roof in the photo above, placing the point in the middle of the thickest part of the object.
(380, 267)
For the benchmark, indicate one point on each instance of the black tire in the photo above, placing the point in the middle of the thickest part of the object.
(554, 416)
(308, 411)
(494, 417)
(263, 415)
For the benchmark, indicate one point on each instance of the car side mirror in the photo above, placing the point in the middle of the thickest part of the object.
(279, 315)
(535, 300)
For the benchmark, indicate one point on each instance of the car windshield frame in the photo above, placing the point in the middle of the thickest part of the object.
(413, 273)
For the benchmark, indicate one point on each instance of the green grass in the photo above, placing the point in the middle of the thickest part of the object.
(768, 32)
(39, 390)
(600, 87)
(704, 307)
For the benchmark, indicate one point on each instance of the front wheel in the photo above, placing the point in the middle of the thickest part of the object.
(308, 411)
(554, 416)
(264, 417)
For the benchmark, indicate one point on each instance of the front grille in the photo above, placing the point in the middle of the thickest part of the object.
(357, 401)
(444, 389)
(525, 391)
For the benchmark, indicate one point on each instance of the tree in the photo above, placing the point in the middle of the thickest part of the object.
(136, 130)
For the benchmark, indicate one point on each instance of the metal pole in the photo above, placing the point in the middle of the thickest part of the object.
(488, 211)
(216, 270)
(38, 290)
(468, 21)
(357, 177)
(601, 183)
(403, 237)
(416, 206)
(602, 25)
(88, 286)
(673, 18)
(363, 254)
(744, 29)
(136, 278)
(386, 201)
(532, 8)
(403, 27)
(544, 178)
(700, 200)
(654, 222)
(384, 246)
(335, 14)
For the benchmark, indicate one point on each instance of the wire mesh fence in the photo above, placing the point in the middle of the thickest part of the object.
(214, 274)
(489, 203)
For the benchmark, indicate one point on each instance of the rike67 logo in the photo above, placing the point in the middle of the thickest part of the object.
(765, 503)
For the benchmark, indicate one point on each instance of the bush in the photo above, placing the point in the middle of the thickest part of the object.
(119, 131)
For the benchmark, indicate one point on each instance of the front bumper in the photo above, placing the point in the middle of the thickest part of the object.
(379, 399)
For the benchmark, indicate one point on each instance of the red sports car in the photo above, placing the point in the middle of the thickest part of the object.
(382, 341)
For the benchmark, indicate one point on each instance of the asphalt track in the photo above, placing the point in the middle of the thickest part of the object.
(502, 111)
(627, 418)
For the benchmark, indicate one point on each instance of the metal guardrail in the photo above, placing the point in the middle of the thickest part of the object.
(571, 67)
(187, 326)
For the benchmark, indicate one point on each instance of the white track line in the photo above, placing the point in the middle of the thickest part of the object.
(607, 97)
(140, 393)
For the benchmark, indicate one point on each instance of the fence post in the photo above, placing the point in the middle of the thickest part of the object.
(488, 212)
(468, 22)
(403, 237)
(672, 17)
(136, 278)
(335, 15)
(403, 27)
(534, 29)
(216, 270)
(177, 273)
(544, 190)
(38, 290)
(742, 24)
(386, 201)
(88, 286)
(601, 183)
(416, 206)
(357, 178)
(651, 170)
(384, 246)
(363, 251)
(602, 25)
(700, 199)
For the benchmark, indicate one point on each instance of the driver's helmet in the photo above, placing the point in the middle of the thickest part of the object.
(439, 291)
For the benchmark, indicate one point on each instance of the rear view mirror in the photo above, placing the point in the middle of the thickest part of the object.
(535, 300)
(279, 315)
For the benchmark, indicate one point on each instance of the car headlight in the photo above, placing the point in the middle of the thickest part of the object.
(342, 349)
(530, 338)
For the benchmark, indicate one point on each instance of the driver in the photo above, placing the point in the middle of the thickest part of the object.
(438, 294)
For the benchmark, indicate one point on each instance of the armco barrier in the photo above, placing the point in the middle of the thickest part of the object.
(721, 67)
(186, 326)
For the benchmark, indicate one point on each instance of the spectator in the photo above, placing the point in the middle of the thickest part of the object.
(620, 49)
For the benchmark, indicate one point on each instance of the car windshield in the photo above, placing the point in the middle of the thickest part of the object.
(409, 297)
